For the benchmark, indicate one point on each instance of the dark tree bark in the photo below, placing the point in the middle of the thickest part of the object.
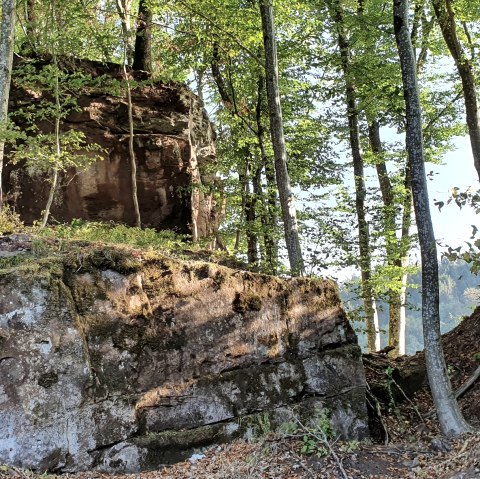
(446, 19)
(285, 192)
(373, 334)
(142, 55)
(6, 59)
(269, 215)
(448, 412)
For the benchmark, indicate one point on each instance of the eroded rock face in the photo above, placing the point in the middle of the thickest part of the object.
(174, 147)
(122, 364)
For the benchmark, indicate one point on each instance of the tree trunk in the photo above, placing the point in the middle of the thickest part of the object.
(448, 412)
(142, 56)
(30, 26)
(446, 19)
(397, 250)
(6, 58)
(278, 141)
(58, 149)
(123, 9)
(131, 150)
(371, 318)
(269, 217)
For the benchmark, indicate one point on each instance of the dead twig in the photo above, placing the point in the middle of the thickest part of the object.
(320, 437)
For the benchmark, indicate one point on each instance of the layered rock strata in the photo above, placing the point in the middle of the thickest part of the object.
(115, 361)
(174, 150)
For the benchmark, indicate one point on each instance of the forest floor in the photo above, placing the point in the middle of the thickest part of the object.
(406, 440)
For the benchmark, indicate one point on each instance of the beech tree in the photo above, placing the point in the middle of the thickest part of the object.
(444, 11)
(448, 412)
(6, 60)
(371, 317)
(285, 192)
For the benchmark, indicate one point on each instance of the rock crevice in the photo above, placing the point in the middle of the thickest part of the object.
(127, 366)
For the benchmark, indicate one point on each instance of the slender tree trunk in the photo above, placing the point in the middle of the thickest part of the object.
(285, 192)
(123, 7)
(371, 317)
(58, 149)
(142, 56)
(131, 151)
(124, 12)
(269, 217)
(448, 412)
(446, 19)
(6, 60)
(397, 250)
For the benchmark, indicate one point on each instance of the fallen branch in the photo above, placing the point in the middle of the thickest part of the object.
(461, 390)
(467, 384)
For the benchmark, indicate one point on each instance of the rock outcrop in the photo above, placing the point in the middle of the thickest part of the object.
(117, 360)
(174, 149)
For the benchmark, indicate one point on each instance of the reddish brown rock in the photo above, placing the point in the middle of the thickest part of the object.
(174, 145)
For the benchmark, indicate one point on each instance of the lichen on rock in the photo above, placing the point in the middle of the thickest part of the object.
(116, 369)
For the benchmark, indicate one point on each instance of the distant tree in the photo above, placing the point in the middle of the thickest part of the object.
(448, 412)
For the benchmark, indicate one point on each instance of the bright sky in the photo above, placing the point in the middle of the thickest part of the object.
(452, 225)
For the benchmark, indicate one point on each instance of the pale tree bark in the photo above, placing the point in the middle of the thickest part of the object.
(124, 12)
(131, 151)
(448, 412)
(6, 59)
(396, 249)
(446, 19)
(370, 310)
(285, 193)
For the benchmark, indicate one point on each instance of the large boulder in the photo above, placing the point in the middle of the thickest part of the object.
(120, 361)
(174, 150)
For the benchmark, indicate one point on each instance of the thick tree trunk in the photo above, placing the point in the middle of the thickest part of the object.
(31, 25)
(142, 56)
(448, 412)
(371, 318)
(285, 192)
(446, 19)
(6, 58)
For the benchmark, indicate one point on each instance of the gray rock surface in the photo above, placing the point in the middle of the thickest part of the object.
(121, 361)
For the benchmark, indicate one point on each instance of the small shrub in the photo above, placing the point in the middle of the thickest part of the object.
(10, 221)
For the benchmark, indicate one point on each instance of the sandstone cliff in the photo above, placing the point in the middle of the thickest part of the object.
(174, 146)
(118, 360)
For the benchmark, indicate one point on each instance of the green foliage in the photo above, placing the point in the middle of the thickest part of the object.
(457, 283)
(146, 238)
(43, 153)
(10, 221)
